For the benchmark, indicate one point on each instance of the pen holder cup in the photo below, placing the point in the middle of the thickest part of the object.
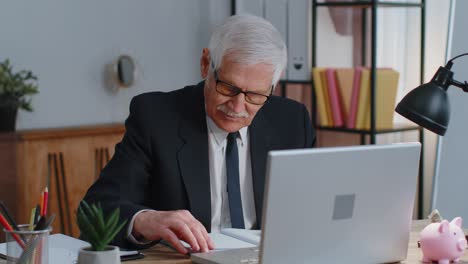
(27, 246)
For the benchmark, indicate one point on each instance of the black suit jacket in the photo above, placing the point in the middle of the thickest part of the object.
(162, 161)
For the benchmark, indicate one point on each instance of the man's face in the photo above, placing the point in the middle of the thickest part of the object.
(234, 113)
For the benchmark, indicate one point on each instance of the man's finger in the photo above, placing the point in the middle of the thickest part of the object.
(209, 241)
(201, 239)
(170, 237)
(184, 233)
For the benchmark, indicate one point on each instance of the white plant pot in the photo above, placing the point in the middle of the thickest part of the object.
(109, 256)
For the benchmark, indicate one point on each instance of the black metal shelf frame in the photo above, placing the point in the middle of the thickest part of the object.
(368, 3)
(372, 5)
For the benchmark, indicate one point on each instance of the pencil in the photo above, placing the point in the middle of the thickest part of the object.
(42, 204)
(7, 226)
(31, 219)
(46, 200)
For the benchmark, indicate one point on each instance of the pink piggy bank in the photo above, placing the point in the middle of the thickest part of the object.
(443, 241)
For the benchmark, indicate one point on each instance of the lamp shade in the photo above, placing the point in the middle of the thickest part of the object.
(427, 106)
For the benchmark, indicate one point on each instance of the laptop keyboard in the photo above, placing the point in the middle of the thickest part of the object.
(249, 261)
(231, 256)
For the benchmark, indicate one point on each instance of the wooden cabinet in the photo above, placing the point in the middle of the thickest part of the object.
(67, 160)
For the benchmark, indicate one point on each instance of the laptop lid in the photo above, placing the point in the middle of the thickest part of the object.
(339, 205)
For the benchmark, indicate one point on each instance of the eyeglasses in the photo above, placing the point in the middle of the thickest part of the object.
(230, 90)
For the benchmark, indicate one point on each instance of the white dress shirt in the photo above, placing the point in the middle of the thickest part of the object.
(220, 214)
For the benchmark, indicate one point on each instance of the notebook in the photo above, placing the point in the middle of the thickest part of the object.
(64, 249)
(334, 205)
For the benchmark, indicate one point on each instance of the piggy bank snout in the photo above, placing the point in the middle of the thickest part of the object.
(461, 244)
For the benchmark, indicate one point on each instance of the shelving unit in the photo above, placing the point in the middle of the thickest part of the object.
(366, 6)
(372, 6)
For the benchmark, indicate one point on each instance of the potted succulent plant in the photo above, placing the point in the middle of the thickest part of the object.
(99, 231)
(15, 89)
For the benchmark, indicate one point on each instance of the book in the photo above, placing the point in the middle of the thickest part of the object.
(353, 108)
(323, 78)
(363, 100)
(321, 101)
(386, 85)
(64, 249)
(345, 78)
(334, 95)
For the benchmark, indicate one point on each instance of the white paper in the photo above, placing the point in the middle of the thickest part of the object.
(223, 242)
(64, 249)
(249, 236)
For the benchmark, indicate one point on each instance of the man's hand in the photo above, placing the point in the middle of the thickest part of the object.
(173, 226)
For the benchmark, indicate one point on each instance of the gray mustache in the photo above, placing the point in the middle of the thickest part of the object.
(223, 108)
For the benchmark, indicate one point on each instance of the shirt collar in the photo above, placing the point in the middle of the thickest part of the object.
(221, 135)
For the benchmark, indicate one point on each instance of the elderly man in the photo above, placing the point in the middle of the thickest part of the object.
(192, 161)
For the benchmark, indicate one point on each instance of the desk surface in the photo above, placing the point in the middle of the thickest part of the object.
(163, 255)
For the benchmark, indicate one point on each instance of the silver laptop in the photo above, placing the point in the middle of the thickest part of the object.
(334, 205)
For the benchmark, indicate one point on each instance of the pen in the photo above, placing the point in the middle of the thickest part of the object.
(10, 219)
(7, 226)
(8, 216)
(36, 214)
(40, 225)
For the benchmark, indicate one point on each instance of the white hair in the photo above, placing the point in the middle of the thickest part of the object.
(249, 40)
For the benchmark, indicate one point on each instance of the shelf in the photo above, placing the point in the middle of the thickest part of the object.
(368, 131)
(367, 4)
(283, 82)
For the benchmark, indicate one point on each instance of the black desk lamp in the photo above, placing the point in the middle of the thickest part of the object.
(428, 105)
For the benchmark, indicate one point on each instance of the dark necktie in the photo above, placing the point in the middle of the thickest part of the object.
(233, 183)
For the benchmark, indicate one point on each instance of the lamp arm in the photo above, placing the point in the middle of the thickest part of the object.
(464, 85)
(451, 81)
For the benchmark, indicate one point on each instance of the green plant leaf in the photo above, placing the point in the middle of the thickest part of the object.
(99, 218)
(113, 219)
(86, 227)
(16, 86)
(114, 232)
(87, 210)
(97, 229)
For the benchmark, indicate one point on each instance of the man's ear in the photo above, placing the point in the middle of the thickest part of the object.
(205, 63)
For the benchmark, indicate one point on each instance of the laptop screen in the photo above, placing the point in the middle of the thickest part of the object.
(345, 204)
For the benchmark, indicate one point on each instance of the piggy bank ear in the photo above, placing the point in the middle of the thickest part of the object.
(457, 221)
(444, 226)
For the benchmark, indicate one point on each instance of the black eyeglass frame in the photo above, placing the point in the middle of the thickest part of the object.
(238, 90)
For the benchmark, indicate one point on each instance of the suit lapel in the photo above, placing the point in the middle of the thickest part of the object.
(193, 156)
(260, 144)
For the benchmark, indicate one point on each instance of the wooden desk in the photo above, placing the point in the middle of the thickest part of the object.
(163, 255)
